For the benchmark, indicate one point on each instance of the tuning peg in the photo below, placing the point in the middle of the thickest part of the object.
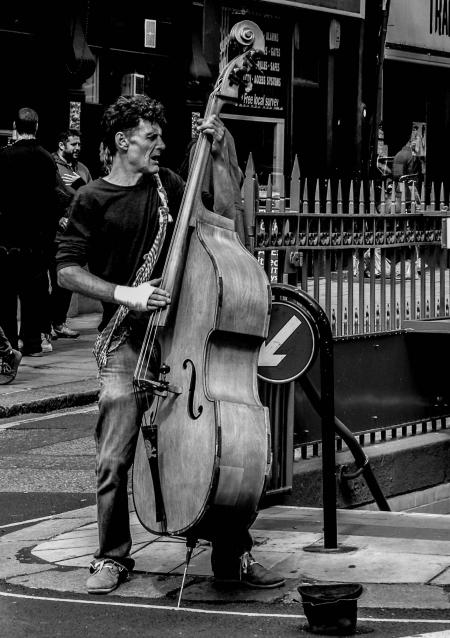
(252, 59)
(237, 76)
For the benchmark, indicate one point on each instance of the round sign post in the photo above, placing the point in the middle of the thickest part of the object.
(298, 329)
(290, 347)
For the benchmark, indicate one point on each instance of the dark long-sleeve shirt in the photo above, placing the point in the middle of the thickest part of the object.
(112, 227)
(29, 205)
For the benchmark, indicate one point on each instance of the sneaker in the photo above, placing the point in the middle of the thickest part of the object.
(63, 330)
(9, 365)
(106, 576)
(53, 334)
(251, 574)
(46, 343)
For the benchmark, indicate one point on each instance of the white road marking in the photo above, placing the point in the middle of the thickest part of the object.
(221, 612)
(45, 417)
(31, 520)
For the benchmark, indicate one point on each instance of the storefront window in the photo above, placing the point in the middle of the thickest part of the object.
(416, 97)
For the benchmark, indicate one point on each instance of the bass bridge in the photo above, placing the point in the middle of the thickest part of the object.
(160, 387)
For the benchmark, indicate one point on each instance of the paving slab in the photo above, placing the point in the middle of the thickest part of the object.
(49, 553)
(163, 557)
(73, 581)
(15, 560)
(443, 578)
(50, 528)
(364, 566)
(207, 591)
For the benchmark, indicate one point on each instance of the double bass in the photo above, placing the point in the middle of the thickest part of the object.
(203, 453)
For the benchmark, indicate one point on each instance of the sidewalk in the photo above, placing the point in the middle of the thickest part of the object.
(66, 377)
(402, 559)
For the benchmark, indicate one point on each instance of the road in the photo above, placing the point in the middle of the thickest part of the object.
(47, 466)
(44, 617)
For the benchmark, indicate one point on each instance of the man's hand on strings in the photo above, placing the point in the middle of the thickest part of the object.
(214, 128)
(158, 298)
(144, 297)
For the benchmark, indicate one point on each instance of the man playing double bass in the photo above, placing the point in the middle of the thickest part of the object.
(113, 225)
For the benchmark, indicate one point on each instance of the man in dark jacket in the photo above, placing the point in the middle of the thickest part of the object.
(29, 212)
(73, 174)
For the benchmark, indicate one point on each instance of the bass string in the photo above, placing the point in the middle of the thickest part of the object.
(147, 347)
(150, 335)
(198, 149)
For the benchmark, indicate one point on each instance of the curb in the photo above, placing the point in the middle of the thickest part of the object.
(49, 398)
(50, 404)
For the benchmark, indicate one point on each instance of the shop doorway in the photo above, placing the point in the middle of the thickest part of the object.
(263, 137)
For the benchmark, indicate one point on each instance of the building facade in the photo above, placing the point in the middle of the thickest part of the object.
(416, 87)
(315, 98)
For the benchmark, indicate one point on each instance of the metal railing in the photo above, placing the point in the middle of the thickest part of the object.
(371, 260)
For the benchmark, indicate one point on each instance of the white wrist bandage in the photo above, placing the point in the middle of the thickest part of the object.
(134, 297)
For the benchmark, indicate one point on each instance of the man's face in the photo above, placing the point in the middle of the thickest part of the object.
(71, 149)
(145, 145)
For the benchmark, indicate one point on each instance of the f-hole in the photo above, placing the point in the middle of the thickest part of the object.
(192, 385)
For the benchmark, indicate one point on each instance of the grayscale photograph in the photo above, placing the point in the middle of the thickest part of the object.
(278, 167)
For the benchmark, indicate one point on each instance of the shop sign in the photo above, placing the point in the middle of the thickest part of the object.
(355, 8)
(265, 91)
(416, 23)
(273, 266)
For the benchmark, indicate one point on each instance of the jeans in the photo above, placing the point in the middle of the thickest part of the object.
(116, 436)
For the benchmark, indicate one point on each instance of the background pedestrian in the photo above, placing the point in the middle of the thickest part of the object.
(73, 174)
(30, 209)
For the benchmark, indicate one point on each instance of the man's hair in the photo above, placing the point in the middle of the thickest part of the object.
(26, 121)
(70, 132)
(125, 114)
